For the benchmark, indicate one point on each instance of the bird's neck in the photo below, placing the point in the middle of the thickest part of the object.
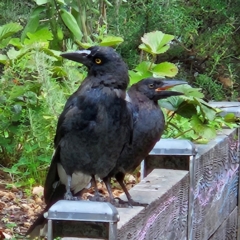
(139, 99)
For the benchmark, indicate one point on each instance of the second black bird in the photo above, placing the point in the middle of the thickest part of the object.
(148, 127)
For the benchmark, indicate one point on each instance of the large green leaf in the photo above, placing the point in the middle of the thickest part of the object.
(16, 42)
(33, 22)
(155, 42)
(143, 67)
(165, 69)
(140, 72)
(202, 129)
(71, 24)
(42, 35)
(137, 76)
(9, 29)
(188, 91)
(111, 41)
(186, 109)
(171, 103)
(207, 111)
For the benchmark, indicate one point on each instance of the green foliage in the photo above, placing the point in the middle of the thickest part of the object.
(29, 108)
(207, 37)
(82, 22)
(154, 43)
(211, 88)
(190, 117)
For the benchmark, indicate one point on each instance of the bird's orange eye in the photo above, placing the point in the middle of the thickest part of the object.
(98, 61)
(150, 85)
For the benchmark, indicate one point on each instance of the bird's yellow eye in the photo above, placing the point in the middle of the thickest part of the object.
(150, 85)
(98, 61)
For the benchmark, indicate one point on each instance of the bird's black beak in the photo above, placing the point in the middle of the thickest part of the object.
(80, 56)
(161, 91)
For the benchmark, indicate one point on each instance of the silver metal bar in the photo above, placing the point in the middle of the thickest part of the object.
(191, 196)
(238, 150)
(50, 230)
(112, 231)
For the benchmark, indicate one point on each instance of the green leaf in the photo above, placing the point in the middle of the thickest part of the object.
(186, 110)
(207, 111)
(17, 91)
(3, 59)
(137, 76)
(111, 41)
(108, 3)
(208, 132)
(13, 54)
(84, 45)
(156, 42)
(230, 117)
(4, 42)
(41, 2)
(71, 23)
(42, 35)
(188, 91)
(202, 129)
(9, 29)
(143, 67)
(165, 69)
(33, 22)
(171, 103)
(61, 1)
(16, 43)
(140, 72)
(59, 33)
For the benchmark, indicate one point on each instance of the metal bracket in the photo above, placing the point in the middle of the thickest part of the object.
(86, 211)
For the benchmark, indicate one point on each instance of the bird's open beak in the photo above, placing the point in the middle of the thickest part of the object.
(80, 56)
(169, 84)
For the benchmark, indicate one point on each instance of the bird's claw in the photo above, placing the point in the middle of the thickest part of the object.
(130, 203)
(69, 196)
(97, 198)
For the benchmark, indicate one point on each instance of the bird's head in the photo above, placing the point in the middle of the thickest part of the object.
(104, 63)
(157, 88)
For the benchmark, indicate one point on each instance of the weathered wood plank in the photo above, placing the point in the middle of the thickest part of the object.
(166, 191)
(216, 183)
(228, 229)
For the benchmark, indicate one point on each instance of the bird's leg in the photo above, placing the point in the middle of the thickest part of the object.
(120, 178)
(106, 180)
(120, 203)
(68, 195)
(97, 197)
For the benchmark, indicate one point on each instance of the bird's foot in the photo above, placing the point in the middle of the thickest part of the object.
(97, 198)
(118, 203)
(69, 196)
(130, 203)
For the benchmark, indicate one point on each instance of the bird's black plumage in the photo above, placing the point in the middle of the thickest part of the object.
(148, 127)
(95, 125)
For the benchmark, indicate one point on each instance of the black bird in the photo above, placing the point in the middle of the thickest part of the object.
(94, 127)
(148, 127)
